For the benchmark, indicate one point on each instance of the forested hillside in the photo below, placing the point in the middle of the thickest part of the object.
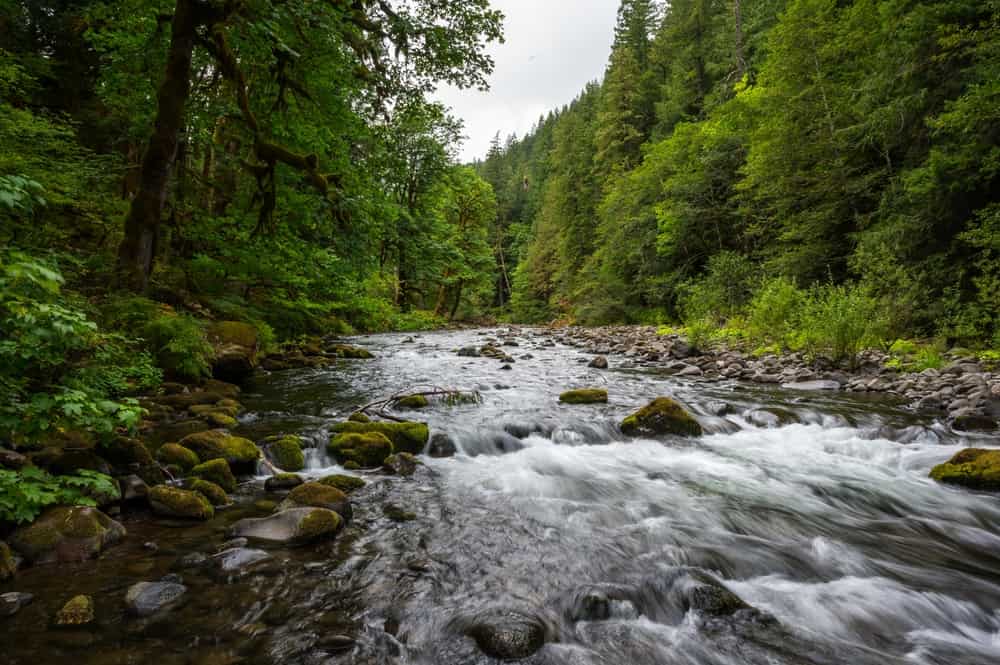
(769, 166)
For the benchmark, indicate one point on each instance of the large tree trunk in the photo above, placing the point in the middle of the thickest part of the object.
(138, 247)
(741, 62)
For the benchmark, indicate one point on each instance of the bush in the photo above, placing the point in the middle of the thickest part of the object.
(841, 320)
(26, 493)
(725, 289)
(772, 315)
(180, 345)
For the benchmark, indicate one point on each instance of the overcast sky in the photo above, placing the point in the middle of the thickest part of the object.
(552, 49)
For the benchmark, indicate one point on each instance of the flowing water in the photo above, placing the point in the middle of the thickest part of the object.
(825, 521)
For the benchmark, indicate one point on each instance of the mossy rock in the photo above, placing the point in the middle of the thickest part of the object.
(124, 451)
(359, 417)
(286, 452)
(216, 471)
(282, 482)
(345, 484)
(412, 402)
(662, 416)
(408, 437)
(401, 464)
(319, 495)
(236, 345)
(8, 567)
(78, 611)
(585, 396)
(66, 534)
(211, 491)
(202, 409)
(229, 403)
(364, 449)
(224, 388)
(296, 526)
(233, 332)
(974, 468)
(216, 419)
(172, 454)
(352, 352)
(175, 502)
(218, 444)
(397, 513)
(265, 505)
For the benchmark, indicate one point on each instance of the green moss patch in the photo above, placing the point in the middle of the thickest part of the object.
(345, 484)
(286, 452)
(216, 471)
(974, 468)
(215, 494)
(174, 502)
(363, 449)
(408, 437)
(218, 444)
(661, 417)
(412, 402)
(584, 396)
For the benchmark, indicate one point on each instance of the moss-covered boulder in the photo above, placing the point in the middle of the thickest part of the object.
(345, 484)
(172, 454)
(78, 611)
(125, 452)
(319, 495)
(202, 409)
(183, 504)
(296, 526)
(8, 566)
(351, 352)
(363, 449)
(585, 396)
(359, 417)
(282, 482)
(285, 452)
(412, 402)
(216, 471)
(661, 417)
(974, 468)
(236, 345)
(223, 388)
(66, 534)
(408, 437)
(401, 464)
(211, 491)
(242, 454)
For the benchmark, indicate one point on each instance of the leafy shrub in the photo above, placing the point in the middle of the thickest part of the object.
(180, 345)
(26, 493)
(772, 315)
(415, 321)
(841, 320)
(725, 289)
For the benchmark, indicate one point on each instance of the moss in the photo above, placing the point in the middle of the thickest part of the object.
(174, 502)
(204, 409)
(217, 444)
(265, 505)
(7, 565)
(359, 417)
(318, 523)
(283, 481)
(409, 437)
(412, 402)
(83, 523)
(397, 514)
(401, 464)
(286, 453)
(351, 465)
(318, 495)
(662, 416)
(229, 403)
(352, 352)
(225, 390)
(123, 451)
(211, 491)
(974, 468)
(346, 484)
(366, 449)
(221, 420)
(585, 396)
(77, 612)
(216, 471)
(234, 332)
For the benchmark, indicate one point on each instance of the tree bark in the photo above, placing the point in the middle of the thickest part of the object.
(138, 248)
(741, 62)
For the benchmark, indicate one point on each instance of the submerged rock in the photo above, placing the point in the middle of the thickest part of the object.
(78, 611)
(584, 396)
(974, 468)
(364, 449)
(184, 504)
(296, 526)
(238, 558)
(662, 416)
(600, 362)
(147, 598)
(406, 437)
(67, 534)
(508, 635)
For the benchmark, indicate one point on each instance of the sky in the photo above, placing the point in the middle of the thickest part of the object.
(552, 49)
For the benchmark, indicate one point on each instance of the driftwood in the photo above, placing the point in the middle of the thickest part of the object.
(449, 396)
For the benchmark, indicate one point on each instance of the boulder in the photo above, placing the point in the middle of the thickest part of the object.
(412, 402)
(351, 352)
(442, 445)
(78, 611)
(133, 488)
(401, 464)
(366, 450)
(147, 598)
(240, 453)
(282, 482)
(584, 396)
(8, 566)
(345, 484)
(125, 452)
(215, 494)
(319, 495)
(662, 416)
(600, 362)
(507, 635)
(184, 504)
(177, 455)
(407, 437)
(236, 345)
(216, 471)
(66, 534)
(13, 602)
(285, 452)
(296, 526)
(974, 468)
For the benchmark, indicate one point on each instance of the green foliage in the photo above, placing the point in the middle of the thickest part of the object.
(180, 345)
(772, 314)
(841, 320)
(26, 493)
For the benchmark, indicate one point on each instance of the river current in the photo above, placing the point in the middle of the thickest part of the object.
(814, 508)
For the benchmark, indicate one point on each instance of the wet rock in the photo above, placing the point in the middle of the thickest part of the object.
(78, 611)
(600, 362)
(183, 504)
(442, 445)
(508, 635)
(336, 643)
(351, 352)
(8, 566)
(216, 471)
(406, 437)
(469, 352)
(191, 560)
(296, 526)
(770, 418)
(285, 452)
(319, 495)
(13, 602)
(412, 402)
(67, 534)
(133, 488)
(359, 417)
(215, 494)
(172, 454)
(345, 484)
(662, 416)
(397, 513)
(12, 460)
(283, 482)
(365, 450)
(238, 452)
(818, 385)
(239, 558)
(973, 468)
(584, 396)
(401, 464)
(236, 345)
(971, 421)
(147, 598)
(59, 461)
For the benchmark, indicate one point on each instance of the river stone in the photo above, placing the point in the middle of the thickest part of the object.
(283, 482)
(175, 502)
(216, 471)
(8, 566)
(13, 602)
(508, 635)
(974, 468)
(67, 534)
(240, 453)
(406, 437)
(286, 452)
(12, 460)
(584, 396)
(78, 611)
(401, 464)
(600, 362)
(295, 526)
(236, 345)
(662, 416)
(133, 488)
(237, 558)
(345, 484)
(319, 495)
(147, 598)
(812, 385)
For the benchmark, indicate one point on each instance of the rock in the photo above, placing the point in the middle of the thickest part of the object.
(147, 598)
(297, 526)
(236, 345)
(124, 452)
(8, 566)
(61, 462)
(240, 453)
(365, 450)
(406, 437)
(78, 611)
(224, 389)
(441, 445)
(336, 643)
(973, 422)
(345, 484)
(584, 396)
(184, 504)
(401, 464)
(412, 402)
(285, 452)
(974, 468)
(469, 352)
(818, 385)
(319, 495)
(397, 513)
(662, 416)
(707, 595)
(359, 417)
(351, 352)
(133, 488)
(216, 471)
(177, 455)
(13, 602)
(238, 558)
(507, 635)
(769, 418)
(66, 534)
(12, 460)
(600, 362)
(283, 482)
(214, 493)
